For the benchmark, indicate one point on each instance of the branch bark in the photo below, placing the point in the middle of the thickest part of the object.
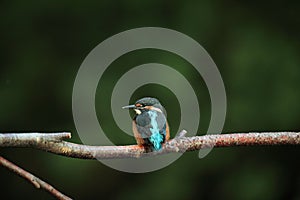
(53, 142)
(38, 183)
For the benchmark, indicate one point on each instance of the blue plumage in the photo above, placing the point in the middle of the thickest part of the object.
(150, 125)
(156, 138)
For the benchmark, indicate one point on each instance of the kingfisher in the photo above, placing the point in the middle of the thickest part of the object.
(149, 125)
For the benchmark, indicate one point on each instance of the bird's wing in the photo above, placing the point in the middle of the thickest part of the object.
(146, 127)
(140, 141)
(143, 125)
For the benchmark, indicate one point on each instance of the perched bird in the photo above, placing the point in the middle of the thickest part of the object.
(149, 125)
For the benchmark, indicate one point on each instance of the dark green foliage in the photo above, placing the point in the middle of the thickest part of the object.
(255, 45)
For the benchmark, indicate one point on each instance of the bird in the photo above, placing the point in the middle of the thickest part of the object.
(149, 125)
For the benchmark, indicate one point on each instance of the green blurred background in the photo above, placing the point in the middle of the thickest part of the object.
(255, 46)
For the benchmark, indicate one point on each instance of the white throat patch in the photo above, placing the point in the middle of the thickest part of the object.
(137, 111)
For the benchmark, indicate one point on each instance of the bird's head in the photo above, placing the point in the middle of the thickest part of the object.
(145, 104)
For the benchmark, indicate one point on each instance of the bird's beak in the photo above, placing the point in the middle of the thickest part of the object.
(129, 107)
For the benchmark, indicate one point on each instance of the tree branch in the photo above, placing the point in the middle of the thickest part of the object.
(38, 183)
(52, 142)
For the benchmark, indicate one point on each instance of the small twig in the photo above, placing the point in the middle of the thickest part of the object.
(38, 183)
(181, 134)
(178, 144)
